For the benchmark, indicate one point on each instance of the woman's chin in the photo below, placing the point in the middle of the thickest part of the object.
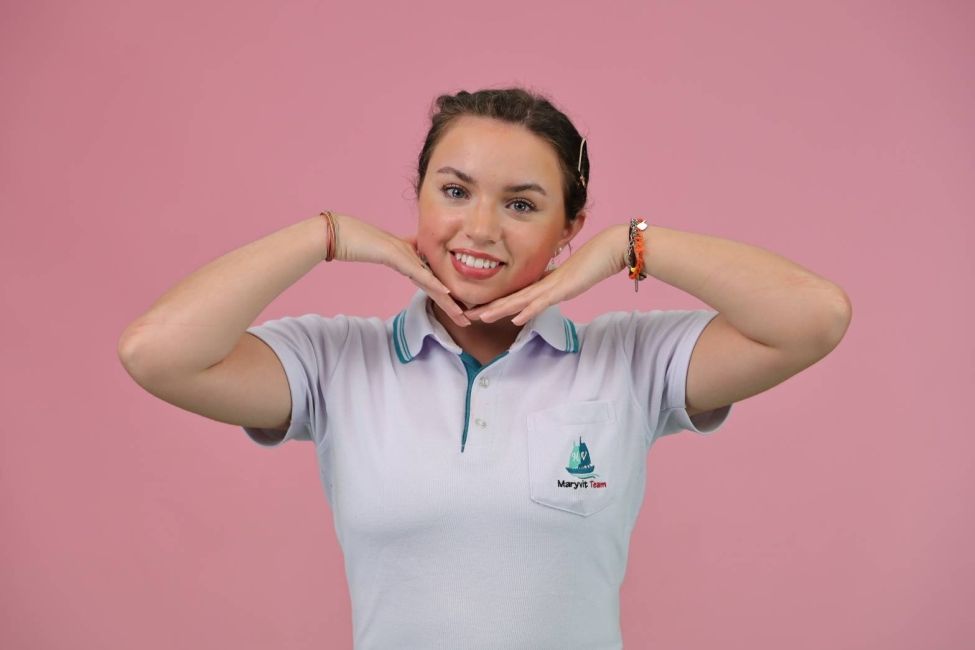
(469, 301)
(464, 304)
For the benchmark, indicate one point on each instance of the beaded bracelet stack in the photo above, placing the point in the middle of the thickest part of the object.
(330, 251)
(634, 252)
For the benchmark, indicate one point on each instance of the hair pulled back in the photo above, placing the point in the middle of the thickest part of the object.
(517, 106)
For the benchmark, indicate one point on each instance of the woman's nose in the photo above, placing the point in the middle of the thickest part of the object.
(483, 224)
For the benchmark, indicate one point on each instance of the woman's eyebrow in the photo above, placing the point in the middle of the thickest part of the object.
(467, 178)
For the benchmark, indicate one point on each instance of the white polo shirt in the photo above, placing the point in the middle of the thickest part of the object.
(486, 507)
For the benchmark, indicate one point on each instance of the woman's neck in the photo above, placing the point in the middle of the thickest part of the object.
(483, 341)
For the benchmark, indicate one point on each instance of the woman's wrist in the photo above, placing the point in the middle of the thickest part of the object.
(619, 235)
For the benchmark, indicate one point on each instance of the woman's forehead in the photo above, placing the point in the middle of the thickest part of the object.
(488, 147)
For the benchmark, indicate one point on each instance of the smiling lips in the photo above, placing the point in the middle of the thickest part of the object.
(475, 267)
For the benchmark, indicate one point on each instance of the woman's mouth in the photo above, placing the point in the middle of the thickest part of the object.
(473, 267)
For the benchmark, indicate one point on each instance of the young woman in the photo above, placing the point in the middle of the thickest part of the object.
(484, 456)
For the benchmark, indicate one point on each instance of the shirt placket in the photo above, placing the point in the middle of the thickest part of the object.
(480, 402)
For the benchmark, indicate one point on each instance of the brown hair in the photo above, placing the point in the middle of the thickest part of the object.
(517, 106)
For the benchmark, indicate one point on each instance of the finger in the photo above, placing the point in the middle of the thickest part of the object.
(451, 308)
(511, 306)
(420, 274)
(436, 284)
(491, 307)
(446, 303)
(418, 269)
(529, 303)
(439, 293)
(453, 311)
(411, 241)
(534, 308)
(427, 281)
(476, 312)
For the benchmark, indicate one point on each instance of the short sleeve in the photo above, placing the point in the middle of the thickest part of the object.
(659, 344)
(308, 347)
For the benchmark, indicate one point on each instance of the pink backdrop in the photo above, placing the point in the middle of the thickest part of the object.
(142, 140)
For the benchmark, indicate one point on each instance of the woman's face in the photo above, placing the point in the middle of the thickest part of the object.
(491, 209)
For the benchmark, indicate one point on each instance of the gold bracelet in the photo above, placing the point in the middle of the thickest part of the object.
(330, 250)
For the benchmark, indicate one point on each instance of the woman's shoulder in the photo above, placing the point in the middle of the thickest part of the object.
(619, 319)
(637, 323)
(634, 317)
(316, 326)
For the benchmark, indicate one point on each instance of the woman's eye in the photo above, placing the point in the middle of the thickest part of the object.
(528, 206)
(449, 188)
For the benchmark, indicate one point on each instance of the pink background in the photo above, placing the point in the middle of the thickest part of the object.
(142, 140)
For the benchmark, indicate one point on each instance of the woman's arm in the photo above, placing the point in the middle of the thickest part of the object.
(766, 297)
(197, 322)
(191, 348)
(775, 317)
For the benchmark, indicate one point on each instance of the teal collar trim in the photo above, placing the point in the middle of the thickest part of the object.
(414, 324)
(472, 366)
(399, 341)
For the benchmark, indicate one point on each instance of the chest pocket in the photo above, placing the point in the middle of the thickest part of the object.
(574, 456)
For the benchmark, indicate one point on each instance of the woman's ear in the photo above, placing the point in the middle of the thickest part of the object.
(572, 229)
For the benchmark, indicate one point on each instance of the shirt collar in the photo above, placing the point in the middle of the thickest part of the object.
(413, 325)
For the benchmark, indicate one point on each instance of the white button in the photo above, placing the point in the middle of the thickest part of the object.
(481, 423)
(484, 381)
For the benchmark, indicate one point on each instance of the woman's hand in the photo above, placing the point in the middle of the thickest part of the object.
(600, 257)
(358, 241)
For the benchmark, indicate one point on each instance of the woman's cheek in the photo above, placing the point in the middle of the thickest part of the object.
(530, 273)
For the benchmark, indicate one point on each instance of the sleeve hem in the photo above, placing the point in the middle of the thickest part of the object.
(298, 427)
(705, 422)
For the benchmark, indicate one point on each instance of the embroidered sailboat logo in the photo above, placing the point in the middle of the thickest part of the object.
(580, 462)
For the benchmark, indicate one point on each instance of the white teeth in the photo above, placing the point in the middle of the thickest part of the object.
(475, 262)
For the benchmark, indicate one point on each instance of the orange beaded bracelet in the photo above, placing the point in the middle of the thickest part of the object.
(634, 254)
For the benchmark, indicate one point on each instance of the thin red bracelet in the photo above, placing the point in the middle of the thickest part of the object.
(330, 250)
